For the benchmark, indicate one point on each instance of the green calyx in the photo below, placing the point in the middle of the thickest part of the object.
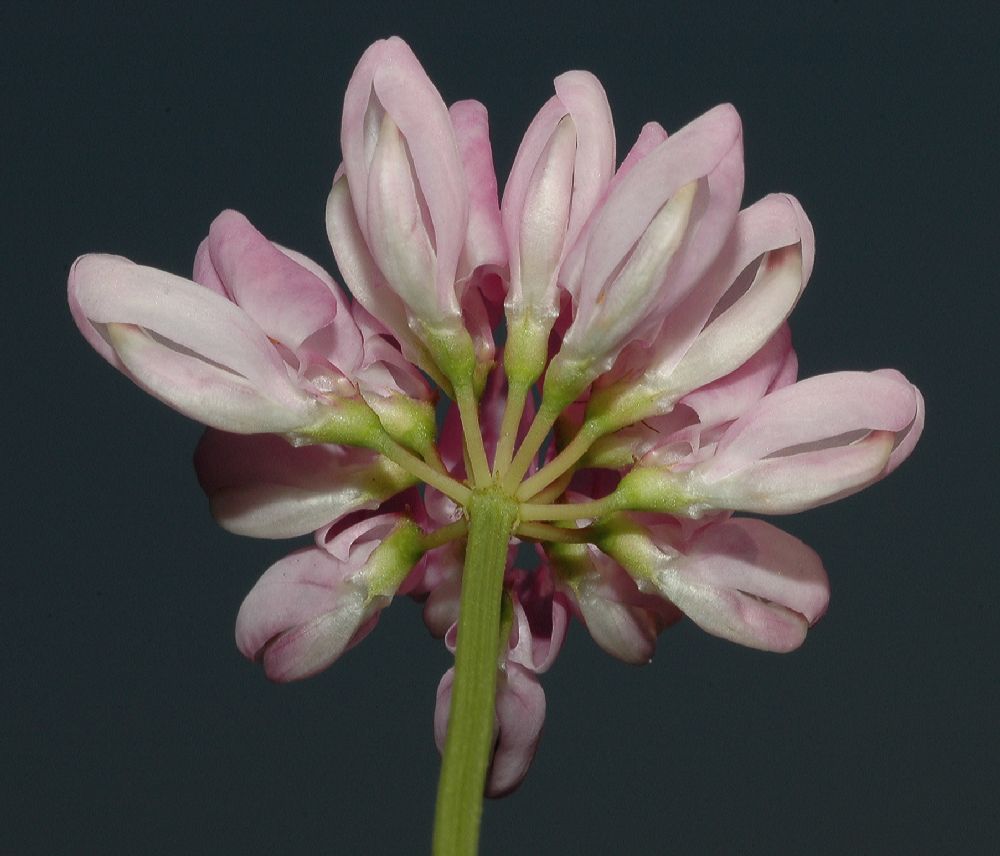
(624, 404)
(454, 353)
(409, 422)
(347, 421)
(527, 349)
(393, 559)
(652, 489)
(628, 543)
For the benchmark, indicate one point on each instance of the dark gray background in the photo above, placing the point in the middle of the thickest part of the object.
(130, 722)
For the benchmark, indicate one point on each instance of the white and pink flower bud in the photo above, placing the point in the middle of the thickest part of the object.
(262, 341)
(743, 580)
(655, 235)
(517, 725)
(735, 310)
(622, 620)
(407, 230)
(799, 447)
(189, 346)
(262, 486)
(406, 179)
(538, 620)
(561, 172)
(699, 416)
(311, 606)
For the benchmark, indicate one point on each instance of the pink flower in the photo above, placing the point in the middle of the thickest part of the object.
(538, 628)
(314, 604)
(649, 308)
(263, 341)
(413, 215)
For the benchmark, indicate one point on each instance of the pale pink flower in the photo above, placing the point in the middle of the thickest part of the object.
(262, 341)
(314, 604)
(413, 216)
(538, 628)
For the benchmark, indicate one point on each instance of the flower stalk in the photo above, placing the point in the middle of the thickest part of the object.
(492, 519)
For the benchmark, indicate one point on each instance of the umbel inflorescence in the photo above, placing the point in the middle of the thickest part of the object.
(647, 354)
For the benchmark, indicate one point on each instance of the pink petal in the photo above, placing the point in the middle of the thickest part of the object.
(263, 486)
(746, 581)
(807, 444)
(204, 272)
(362, 275)
(580, 100)
(710, 144)
(651, 135)
(536, 139)
(793, 483)
(443, 578)
(615, 315)
(773, 223)
(208, 358)
(540, 619)
(520, 712)
(906, 439)
(622, 621)
(355, 540)
(287, 301)
(813, 411)
(484, 241)
(384, 369)
(729, 397)
(586, 102)
(397, 235)
(742, 329)
(203, 391)
(302, 615)
(390, 73)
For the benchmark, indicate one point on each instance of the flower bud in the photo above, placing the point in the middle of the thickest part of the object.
(802, 446)
(517, 726)
(621, 620)
(261, 485)
(742, 580)
(407, 184)
(314, 604)
(561, 172)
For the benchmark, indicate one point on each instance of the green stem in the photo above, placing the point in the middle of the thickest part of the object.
(553, 491)
(517, 395)
(466, 757)
(445, 534)
(572, 510)
(539, 430)
(468, 411)
(553, 534)
(577, 448)
(423, 471)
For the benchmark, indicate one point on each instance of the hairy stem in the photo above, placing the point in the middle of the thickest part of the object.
(445, 534)
(557, 534)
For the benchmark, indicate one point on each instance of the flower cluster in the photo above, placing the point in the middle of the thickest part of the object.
(646, 389)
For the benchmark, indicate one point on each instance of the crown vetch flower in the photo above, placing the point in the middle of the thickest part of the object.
(651, 311)
(413, 215)
(561, 172)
